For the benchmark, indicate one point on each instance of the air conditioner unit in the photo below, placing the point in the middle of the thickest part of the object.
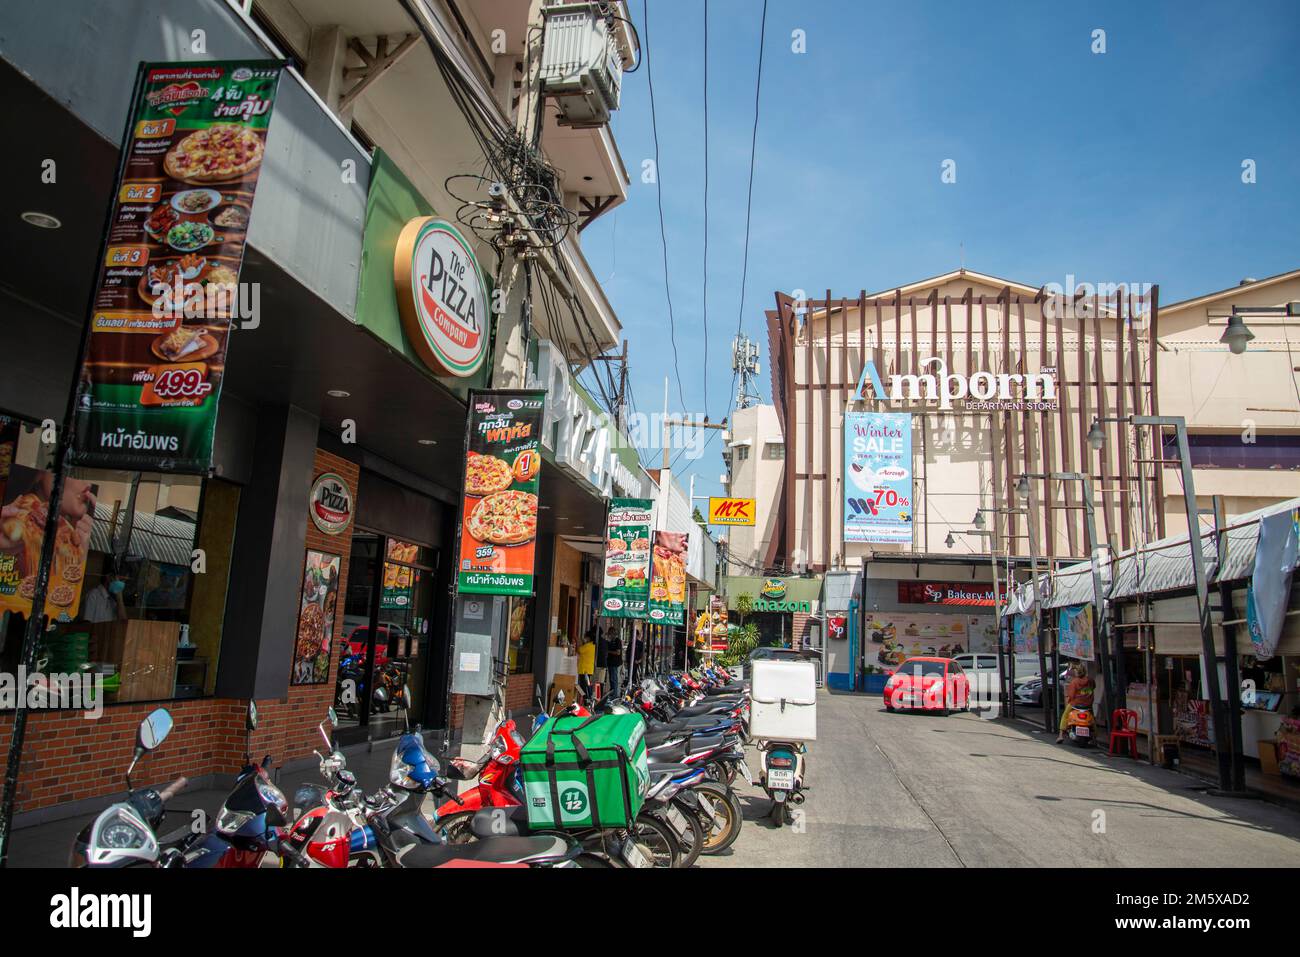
(582, 67)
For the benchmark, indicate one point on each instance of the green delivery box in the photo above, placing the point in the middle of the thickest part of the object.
(586, 772)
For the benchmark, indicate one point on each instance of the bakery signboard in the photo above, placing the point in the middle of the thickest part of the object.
(441, 296)
(166, 290)
(503, 466)
(626, 589)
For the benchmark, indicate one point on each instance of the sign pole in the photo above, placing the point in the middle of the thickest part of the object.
(36, 618)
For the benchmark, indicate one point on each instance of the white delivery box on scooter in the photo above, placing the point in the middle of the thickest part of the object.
(783, 700)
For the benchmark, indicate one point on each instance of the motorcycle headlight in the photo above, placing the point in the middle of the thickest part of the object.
(229, 822)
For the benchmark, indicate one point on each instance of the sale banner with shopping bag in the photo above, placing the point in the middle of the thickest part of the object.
(668, 578)
(503, 468)
(626, 589)
(878, 477)
(167, 290)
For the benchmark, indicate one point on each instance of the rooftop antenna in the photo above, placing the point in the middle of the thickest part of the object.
(744, 362)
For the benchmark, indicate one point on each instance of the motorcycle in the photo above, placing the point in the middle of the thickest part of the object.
(125, 833)
(1079, 725)
(782, 774)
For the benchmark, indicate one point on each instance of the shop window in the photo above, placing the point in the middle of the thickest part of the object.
(1229, 451)
(137, 587)
(519, 650)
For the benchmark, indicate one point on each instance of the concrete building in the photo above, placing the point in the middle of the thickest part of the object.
(755, 460)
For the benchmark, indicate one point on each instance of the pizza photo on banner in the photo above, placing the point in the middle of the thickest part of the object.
(627, 558)
(167, 289)
(24, 507)
(668, 578)
(503, 467)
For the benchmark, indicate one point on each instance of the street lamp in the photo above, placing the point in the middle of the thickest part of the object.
(950, 541)
(1096, 435)
(1238, 335)
(979, 518)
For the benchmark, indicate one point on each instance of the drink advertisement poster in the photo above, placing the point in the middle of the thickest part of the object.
(878, 477)
(503, 467)
(167, 289)
(627, 558)
(668, 578)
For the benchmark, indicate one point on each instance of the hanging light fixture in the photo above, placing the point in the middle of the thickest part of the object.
(1022, 486)
(1096, 436)
(950, 541)
(1238, 335)
(979, 518)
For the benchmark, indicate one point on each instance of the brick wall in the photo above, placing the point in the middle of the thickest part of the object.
(67, 757)
(799, 629)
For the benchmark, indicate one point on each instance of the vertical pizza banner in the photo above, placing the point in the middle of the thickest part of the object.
(167, 289)
(668, 578)
(498, 518)
(24, 505)
(626, 591)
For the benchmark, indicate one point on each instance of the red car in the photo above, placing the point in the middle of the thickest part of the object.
(928, 684)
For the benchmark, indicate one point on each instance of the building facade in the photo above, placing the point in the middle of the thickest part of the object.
(380, 120)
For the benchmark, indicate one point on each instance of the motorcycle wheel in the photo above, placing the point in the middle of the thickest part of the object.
(693, 843)
(722, 833)
(457, 827)
(657, 838)
(777, 814)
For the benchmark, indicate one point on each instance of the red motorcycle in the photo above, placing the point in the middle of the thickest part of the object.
(498, 783)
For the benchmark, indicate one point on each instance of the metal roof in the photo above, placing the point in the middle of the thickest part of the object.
(166, 541)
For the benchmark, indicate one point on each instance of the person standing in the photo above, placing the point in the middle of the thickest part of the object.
(602, 658)
(586, 664)
(613, 659)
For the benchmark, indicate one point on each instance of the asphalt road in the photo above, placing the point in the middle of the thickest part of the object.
(897, 790)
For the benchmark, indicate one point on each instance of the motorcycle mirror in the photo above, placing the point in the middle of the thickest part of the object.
(334, 717)
(406, 697)
(251, 721)
(154, 729)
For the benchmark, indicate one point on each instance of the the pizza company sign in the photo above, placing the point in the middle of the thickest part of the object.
(330, 504)
(441, 296)
(979, 392)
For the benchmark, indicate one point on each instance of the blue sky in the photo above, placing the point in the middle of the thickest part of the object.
(1124, 166)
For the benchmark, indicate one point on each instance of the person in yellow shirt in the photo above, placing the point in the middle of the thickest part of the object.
(586, 665)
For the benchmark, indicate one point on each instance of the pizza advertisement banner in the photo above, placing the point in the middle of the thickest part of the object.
(167, 288)
(503, 467)
(668, 578)
(626, 591)
(24, 506)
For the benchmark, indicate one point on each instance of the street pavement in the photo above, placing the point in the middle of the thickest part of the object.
(899, 790)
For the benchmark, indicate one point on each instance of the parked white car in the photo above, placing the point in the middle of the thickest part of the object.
(985, 674)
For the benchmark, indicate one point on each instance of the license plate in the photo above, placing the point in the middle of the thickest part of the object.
(634, 856)
(781, 779)
(1083, 732)
(678, 820)
(707, 804)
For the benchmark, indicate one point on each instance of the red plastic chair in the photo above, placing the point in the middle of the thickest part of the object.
(1123, 728)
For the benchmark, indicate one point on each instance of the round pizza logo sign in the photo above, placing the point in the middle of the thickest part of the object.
(330, 504)
(441, 296)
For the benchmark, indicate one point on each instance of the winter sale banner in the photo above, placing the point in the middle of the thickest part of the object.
(167, 289)
(878, 477)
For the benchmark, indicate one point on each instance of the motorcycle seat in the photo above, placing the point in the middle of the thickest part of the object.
(495, 850)
(683, 725)
(670, 752)
(489, 822)
(705, 742)
(699, 710)
(735, 688)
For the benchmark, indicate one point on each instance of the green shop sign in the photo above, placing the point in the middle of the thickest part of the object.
(786, 607)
